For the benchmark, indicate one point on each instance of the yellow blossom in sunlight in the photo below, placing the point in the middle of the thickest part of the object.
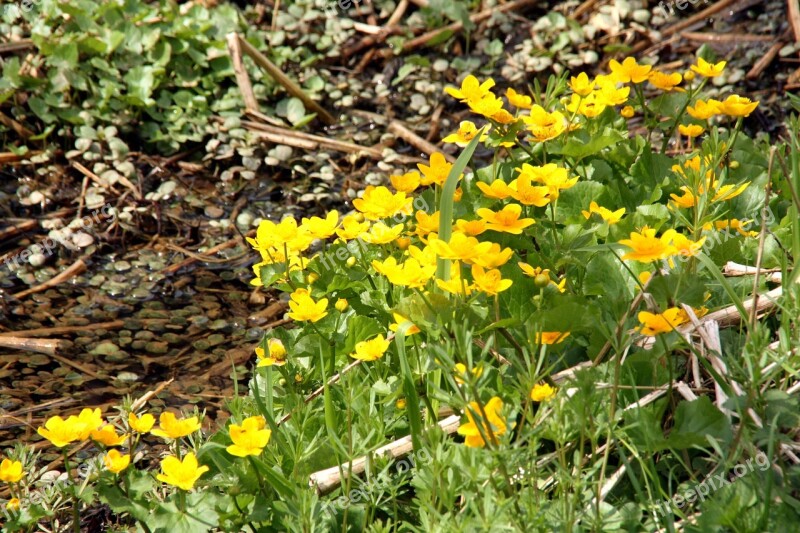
(736, 106)
(685, 246)
(408, 274)
(141, 424)
(456, 284)
(581, 84)
(629, 70)
(466, 132)
(627, 112)
(644, 277)
(492, 427)
(276, 356)
(341, 305)
(703, 110)
(398, 321)
(653, 324)
(352, 228)
(470, 227)
(691, 130)
(471, 89)
(460, 372)
(532, 272)
(304, 308)
(555, 178)
(646, 247)
(372, 349)
(459, 247)
(170, 427)
(612, 217)
(520, 101)
(13, 504)
(497, 190)
(116, 462)
(611, 95)
(287, 233)
(727, 192)
(321, 228)
(494, 258)
(250, 438)
(708, 70)
(380, 202)
(182, 474)
(425, 256)
(490, 282)
(506, 220)
(543, 125)
(437, 172)
(487, 106)
(686, 200)
(589, 106)
(664, 81)
(407, 182)
(735, 224)
(380, 233)
(542, 392)
(523, 191)
(426, 223)
(504, 117)
(11, 471)
(551, 337)
(107, 436)
(61, 432)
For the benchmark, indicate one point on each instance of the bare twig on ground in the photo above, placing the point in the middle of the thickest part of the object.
(74, 269)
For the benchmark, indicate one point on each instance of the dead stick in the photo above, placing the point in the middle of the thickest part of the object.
(21, 130)
(20, 227)
(242, 79)
(284, 80)
(50, 332)
(73, 270)
(697, 17)
(45, 346)
(399, 129)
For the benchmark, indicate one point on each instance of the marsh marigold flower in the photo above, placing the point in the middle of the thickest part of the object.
(708, 70)
(543, 125)
(653, 324)
(493, 427)
(380, 233)
(13, 504)
(611, 217)
(276, 356)
(490, 282)
(581, 84)
(542, 392)
(107, 436)
(399, 320)
(10, 471)
(304, 308)
(646, 247)
(141, 424)
(182, 474)
(664, 81)
(170, 427)
(703, 110)
(437, 171)
(61, 432)
(380, 202)
(506, 220)
(551, 337)
(627, 112)
(737, 106)
(115, 462)
(341, 305)
(521, 101)
(494, 258)
(460, 247)
(460, 372)
(471, 89)
(406, 183)
(466, 132)
(321, 228)
(497, 190)
(691, 130)
(250, 438)
(372, 349)
(410, 274)
(351, 228)
(629, 70)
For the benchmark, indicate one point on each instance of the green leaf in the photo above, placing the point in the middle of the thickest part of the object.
(696, 423)
(589, 145)
(360, 328)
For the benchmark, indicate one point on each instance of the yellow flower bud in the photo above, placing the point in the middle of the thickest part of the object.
(403, 242)
(341, 305)
(627, 111)
(400, 403)
(312, 277)
(351, 261)
(688, 75)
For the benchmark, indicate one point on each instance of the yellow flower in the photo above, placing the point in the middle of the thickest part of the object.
(287, 233)
(250, 438)
(497, 190)
(506, 220)
(494, 258)
(170, 427)
(487, 106)
(107, 436)
(406, 183)
(321, 228)
(612, 217)
(654, 324)
(542, 392)
(610, 94)
(351, 228)
(739, 225)
(471, 89)
(466, 132)
(551, 337)
(532, 272)
(400, 404)
(644, 277)
(182, 474)
(685, 246)
(703, 110)
(470, 227)
(588, 106)
(425, 257)
(521, 101)
(13, 504)
(456, 284)
(426, 223)
(61, 432)
(460, 372)
(304, 308)
(277, 353)
(380, 233)
(726, 192)
(491, 282)
(142, 424)
(460, 247)
(341, 305)
(115, 462)
(503, 117)
(372, 349)
(664, 81)
(10, 471)
(629, 71)
(379, 202)
(646, 247)
(708, 70)
(581, 85)
(410, 274)
(398, 321)
(686, 201)
(91, 419)
(737, 106)
(627, 112)
(691, 130)
(493, 427)
(543, 125)
(437, 172)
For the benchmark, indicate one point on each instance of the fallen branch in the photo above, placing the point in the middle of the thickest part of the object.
(45, 346)
(242, 78)
(402, 131)
(75, 269)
